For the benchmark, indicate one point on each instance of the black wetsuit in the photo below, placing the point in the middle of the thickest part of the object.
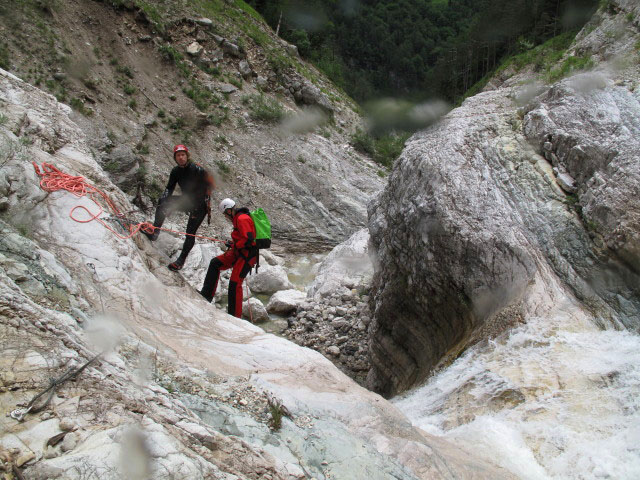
(196, 185)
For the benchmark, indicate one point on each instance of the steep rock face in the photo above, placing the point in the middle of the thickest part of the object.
(179, 391)
(472, 213)
(450, 249)
(590, 128)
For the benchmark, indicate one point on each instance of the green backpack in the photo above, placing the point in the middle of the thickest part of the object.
(263, 228)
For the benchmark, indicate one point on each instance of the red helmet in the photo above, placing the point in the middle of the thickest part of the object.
(180, 148)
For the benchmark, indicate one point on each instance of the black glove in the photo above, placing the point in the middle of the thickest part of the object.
(163, 197)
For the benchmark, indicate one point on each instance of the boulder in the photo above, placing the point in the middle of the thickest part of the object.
(261, 82)
(254, 310)
(245, 69)
(201, 36)
(566, 182)
(463, 233)
(269, 258)
(231, 48)
(194, 49)
(269, 279)
(333, 350)
(285, 302)
(226, 88)
(205, 22)
(311, 95)
(346, 267)
(291, 49)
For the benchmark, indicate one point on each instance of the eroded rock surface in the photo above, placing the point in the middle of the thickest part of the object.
(472, 212)
(590, 128)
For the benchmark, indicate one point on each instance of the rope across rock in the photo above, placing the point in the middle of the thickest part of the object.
(52, 180)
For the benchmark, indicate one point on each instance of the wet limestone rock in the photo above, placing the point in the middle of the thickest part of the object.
(472, 212)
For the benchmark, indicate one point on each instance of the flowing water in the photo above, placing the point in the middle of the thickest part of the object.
(556, 399)
(301, 270)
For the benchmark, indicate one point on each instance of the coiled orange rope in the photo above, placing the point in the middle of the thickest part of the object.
(52, 180)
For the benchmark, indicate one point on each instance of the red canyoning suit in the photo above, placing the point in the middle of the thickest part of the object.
(242, 256)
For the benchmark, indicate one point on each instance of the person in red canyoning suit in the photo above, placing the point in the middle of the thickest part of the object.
(242, 255)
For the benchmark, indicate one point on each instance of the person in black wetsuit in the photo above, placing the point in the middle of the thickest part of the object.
(196, 185)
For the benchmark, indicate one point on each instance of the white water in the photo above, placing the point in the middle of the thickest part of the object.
(556, 399)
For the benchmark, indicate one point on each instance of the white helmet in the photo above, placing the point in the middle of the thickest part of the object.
(226, 204)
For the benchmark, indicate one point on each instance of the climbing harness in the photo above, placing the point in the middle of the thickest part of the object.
(19, 413)
(53, 180)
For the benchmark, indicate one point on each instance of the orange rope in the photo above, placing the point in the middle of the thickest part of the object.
(53, 180)
(248, 302)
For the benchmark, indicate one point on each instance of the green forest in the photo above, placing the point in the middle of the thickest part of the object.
(418, 49)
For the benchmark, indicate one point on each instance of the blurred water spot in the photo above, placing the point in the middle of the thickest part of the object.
(305, 121)
(528, 92)
(105, 332)
(349, 7)
(588, 82)
(135, 459)
(143, 374)
(389, 114)
(305, 17)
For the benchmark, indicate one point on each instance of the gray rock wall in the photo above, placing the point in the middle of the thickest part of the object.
(590, 128)
(472, 212)
(450, 249)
